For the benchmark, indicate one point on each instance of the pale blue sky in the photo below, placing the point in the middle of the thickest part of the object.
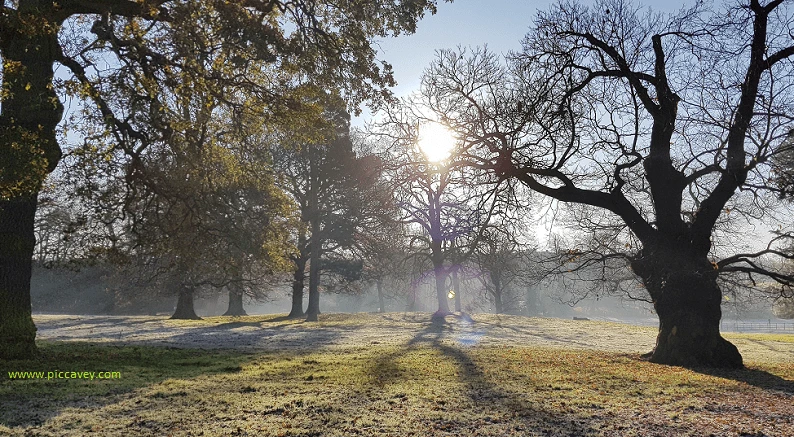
(501, 24)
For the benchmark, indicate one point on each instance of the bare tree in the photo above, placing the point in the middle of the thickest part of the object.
(443, 209)
(504, 262)
(661, 127)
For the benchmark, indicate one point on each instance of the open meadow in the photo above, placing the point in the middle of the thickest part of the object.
(388, 374)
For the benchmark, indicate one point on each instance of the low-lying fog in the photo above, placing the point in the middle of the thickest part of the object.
(90, 292)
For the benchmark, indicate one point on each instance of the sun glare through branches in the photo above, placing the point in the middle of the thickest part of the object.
(435, 141)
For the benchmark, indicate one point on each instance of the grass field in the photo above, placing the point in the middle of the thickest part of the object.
(424, 383)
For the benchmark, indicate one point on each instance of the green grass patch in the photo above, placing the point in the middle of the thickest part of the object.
(428, 386)
(143, 370)
(782, 338)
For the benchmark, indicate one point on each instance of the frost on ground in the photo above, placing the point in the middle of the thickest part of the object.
(273, 332)
(387, 375)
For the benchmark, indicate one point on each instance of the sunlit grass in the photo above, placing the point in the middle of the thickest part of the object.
(429, 385)
(782, 338)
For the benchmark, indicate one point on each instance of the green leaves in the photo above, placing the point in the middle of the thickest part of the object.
(23, 162)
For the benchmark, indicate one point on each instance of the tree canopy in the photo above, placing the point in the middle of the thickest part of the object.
(661, 127)
(266, 48)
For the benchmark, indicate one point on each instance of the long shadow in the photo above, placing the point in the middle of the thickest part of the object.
(99, 319)
(284, 319)
(479, 389)
(32, 402)
(755, 377)
(266, 337)
(523, 333)
(268, 334)
(764, 345)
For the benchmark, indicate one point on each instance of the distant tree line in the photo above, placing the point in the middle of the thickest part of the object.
(212, 150)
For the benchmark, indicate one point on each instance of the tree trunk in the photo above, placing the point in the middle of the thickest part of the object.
(381, 298)
(29, 151)
(497, 302)
(17, 241)
(235, 302)
(298, 278)
(531, 301)
(441, 290)
(411, 307)
(313, 310)
(497, 294)
(456, 287)
(184, 305)
(687, 300)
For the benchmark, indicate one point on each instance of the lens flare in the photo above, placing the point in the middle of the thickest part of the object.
(435, 141)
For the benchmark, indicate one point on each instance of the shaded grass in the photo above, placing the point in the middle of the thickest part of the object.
(430, 385)
(144, 371)
(333, 319)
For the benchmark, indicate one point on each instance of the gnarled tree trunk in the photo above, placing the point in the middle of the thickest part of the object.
(411, 303)
(184, 305)
(441, 290)
(437, 258)
(28, 152)
(313, 309)
(531, 297)
(17, 240)
(687, 299)
(497, 294)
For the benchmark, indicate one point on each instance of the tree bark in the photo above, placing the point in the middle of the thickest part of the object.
(687, 300)
(381, 298)
(313, 310)
(456, 287)
(235, 302)
(28, 152)
(441, 292)
(497, 294)
(17, 241)
(298, 278)
(184, 305)
(497, 302)
(411, 304)
(531, 301)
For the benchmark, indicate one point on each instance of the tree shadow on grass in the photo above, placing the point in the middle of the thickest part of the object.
(755, 377)
(32, 402)
(766, 345)
(488, 396)
(270, 333)
(517, 334)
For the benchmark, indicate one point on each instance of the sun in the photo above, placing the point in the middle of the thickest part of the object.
(435, 141)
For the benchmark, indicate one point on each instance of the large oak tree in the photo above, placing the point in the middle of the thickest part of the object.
(662, 127)
(329, 41)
